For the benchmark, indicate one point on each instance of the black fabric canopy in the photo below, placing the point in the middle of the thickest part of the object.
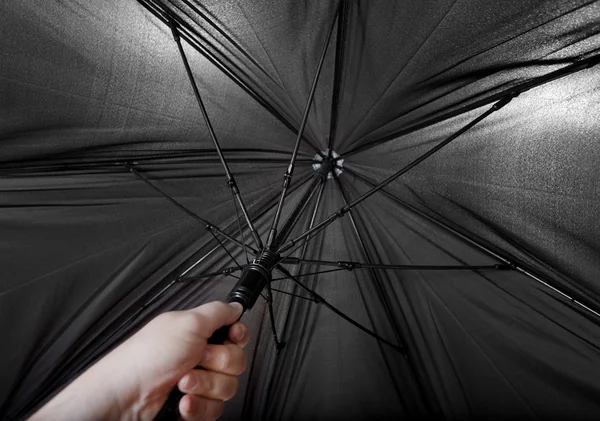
(109, 177)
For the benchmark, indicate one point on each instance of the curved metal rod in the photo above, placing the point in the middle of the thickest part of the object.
(383, 298)
(290, 171)
(159, 10)
(344, 210)
(337, 75)
(569, 295)
(320, 272)
(209, 226)
(320, 300)
(230, 178)
(351, 265)
(573, 67)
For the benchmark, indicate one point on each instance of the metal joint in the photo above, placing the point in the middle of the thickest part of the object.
(279, 345)
(347, 265)
(128, 165)
(342, 211)
(233, 186)
(506, 266)
(505, 100)
(286, 180)
(174, 30)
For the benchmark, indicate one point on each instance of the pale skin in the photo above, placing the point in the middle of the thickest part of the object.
(133, 381)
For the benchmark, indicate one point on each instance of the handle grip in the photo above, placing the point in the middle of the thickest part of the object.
(170, 410)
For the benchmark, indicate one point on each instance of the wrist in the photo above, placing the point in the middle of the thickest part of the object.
(105, 391)
(83, 399)
(128, 396)
(136, 391)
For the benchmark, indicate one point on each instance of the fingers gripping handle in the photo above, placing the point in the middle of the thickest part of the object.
(219, 336)
(170, 410)
(245, 292)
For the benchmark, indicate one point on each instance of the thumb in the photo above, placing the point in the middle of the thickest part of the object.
(217, 314)
(237, 307)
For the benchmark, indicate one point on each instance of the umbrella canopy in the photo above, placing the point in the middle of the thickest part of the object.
(464, 287)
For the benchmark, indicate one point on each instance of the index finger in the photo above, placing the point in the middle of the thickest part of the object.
(238, 335)
(215, 315)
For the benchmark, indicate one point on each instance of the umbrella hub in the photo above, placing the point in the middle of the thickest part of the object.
(254, 278)
(327, 164)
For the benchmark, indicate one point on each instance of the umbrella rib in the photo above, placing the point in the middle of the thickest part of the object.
(512, 92)
(345, 209)
(269, 299)
(239, 222)
(160, 12)
(93, 354)
(291, 295)
(209, 226)
(298, 210)
(337, 75)
(288, 175)
(313, 218)
(223, 33)
(320, 272)
(303, 253)
(70, 160)
(305, 243)
(226, 271)
(350, 265)
(381, 293)
(320, 300)
(230, 178)
(569, 296)
(226, 250)
(181, 279)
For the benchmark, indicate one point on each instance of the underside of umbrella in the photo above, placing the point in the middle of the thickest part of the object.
(433, 252)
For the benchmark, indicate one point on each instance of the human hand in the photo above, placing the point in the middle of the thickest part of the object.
(182, 348)
(135, 379)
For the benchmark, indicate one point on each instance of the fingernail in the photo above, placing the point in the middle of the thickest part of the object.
(189, 405)
(190, 381)
(237, 306)
(206, 355)
(238, 333)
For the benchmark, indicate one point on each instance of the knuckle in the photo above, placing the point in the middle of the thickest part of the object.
(190, 321)
(224, 358)
(231, 389)
(196, 409)
(215, 410)
(184, 320)
(201, 410)
(208, 384)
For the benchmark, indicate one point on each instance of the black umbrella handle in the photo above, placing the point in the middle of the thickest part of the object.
(246, 291)
(170, 410)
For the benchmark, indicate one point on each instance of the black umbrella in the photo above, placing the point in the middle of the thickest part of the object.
(434, 250)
